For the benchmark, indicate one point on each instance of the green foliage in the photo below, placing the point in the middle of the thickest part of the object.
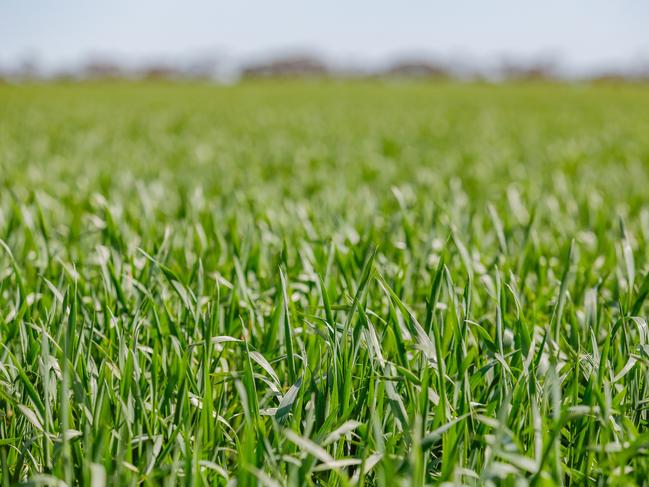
(324, 283)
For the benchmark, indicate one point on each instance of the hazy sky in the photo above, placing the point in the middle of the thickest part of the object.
(582, 33)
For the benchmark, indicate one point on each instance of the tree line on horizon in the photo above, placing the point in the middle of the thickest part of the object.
(311, 66)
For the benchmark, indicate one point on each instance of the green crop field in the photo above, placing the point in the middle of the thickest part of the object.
(324, 283)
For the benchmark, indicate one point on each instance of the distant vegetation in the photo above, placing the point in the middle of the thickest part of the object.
(311, 66)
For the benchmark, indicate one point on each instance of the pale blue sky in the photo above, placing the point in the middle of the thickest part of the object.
(583, 33)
